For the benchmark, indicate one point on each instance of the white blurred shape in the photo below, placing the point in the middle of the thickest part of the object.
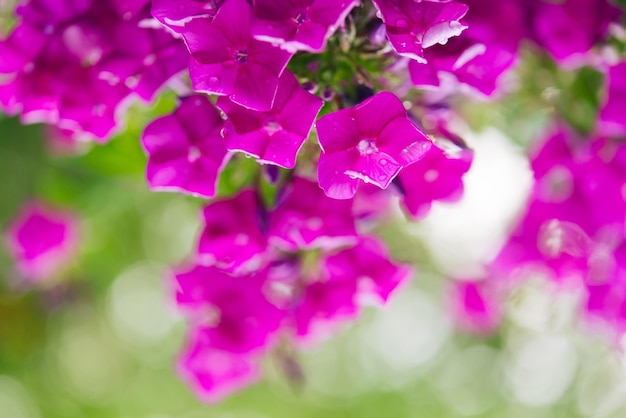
(173, 231)
(540, 369)
(138, 308)
(87, 362)
(408, 334)
(462, 235)
(540, 306)
(14, 400)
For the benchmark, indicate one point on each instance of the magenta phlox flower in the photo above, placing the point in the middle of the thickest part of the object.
(186, 152)
(212, 373)
(370, 142)
(550, 237)
(576, 210)
(371, 204)
(176, 13)
(232, 311)
(612, 121)
(438, 176)
(146, 63)
(275, 136)
(47, 14)
(76, 63)
(234, 236)
(345, 280)
(42, 240)
(475, 65)
(305, 218)
(228, 61)
(88, 106)
(413, 26)
(570, 28)
(501, 23)
(132, 9)
(299, 25)
(322, 306)
(474, 307)
(20, 48)
(481, 55)
(368, 263)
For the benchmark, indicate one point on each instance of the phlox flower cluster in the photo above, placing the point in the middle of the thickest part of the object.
(322, 95)
(74, 63)
(264, 277)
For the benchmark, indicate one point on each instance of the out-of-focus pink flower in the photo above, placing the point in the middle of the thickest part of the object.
(612, 121)
(569, 29)
(212, 373)
(297, 25)
(275, 136)
(370, 142)
(186, 150)
(334, 292)
(228, 61)
(306, 218)
(232, 311)
(77, 64)
(413, 26)
(576, 206)
(368, 262)
(63, 141)
(438, 176)
(474, 309)
(481, 55)
(234, 236)
(42, 240)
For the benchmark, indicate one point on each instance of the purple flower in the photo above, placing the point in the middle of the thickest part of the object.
(130, 9)
(146, 64)
(20, 48)
(228, 61)
(437, 176)
(413, 26)
(232, 311)
(277, 135)
(568, 29)
(42, 240)
(368, 262)
(370, 142)
(233, 238)
(46, 12)
(477, 66)
(186, 151)
(306, 218)
(74, 64)
(576, 210)
(474, 308)
(479, 56)
(299, 25)
(212, 373)
(345, 279)
(612, 119)
(176, 13)
(323, 305)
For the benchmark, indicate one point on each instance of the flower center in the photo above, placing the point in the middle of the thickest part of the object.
(366, 147)
(300, 17)
(241, 56)
(272, 126)
(194, 154)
